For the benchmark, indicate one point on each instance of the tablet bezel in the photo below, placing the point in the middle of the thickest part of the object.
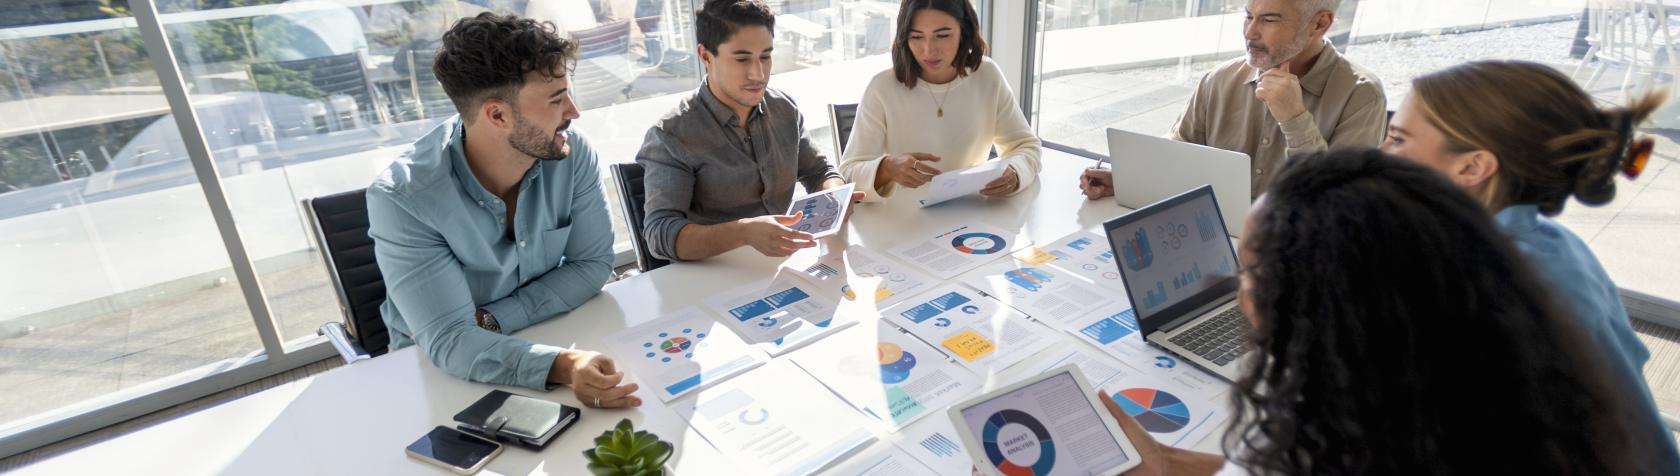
(971, 442)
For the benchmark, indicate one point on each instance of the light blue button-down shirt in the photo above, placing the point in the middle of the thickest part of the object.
(442, 246)
(1573, 271)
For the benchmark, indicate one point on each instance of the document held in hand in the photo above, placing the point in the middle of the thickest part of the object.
(949, 185)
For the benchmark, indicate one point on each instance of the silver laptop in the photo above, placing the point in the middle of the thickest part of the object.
(1149, 168)
(1181, 277)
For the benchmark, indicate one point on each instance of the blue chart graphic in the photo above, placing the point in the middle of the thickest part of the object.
(1106, 256)
(995, 448)
(753, 416)
(1225, 266)
(978, 243)
(1080, 244)
(1153, 298)
(1136, 251)
(935, 307)
(1112, 328)
(1188, 277)
(941, 446)
(1030, 279)
(895, 362)
(1205, 227)
(755, 309)
(1157, 410)
(668, 345)
(1165, 362)
(819, 213)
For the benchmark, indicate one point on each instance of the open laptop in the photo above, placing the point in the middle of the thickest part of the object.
(1149, 168)
(1181, 277)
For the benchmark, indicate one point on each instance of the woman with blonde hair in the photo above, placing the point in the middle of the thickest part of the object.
(1523, 138)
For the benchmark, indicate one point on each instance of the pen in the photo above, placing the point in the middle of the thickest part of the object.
(1085, 180)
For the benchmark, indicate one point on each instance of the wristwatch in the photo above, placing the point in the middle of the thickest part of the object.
(487, 321)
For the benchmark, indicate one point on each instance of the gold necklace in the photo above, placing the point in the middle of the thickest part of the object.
(939, 101)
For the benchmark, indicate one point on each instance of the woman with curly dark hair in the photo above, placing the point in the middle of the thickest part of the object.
(1398, 331)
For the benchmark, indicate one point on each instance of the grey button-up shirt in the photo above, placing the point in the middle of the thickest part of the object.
(700, 167)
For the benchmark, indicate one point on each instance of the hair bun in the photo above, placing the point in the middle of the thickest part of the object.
(1595, 182)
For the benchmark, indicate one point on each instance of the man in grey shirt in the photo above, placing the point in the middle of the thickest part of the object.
(720, 169)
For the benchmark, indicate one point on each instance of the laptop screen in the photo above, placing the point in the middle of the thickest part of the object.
(1174, 256)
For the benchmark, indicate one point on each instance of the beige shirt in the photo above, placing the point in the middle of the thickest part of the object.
(1345, 108)
(980, 112)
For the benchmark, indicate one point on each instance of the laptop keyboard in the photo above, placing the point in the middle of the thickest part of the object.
(1220, 340)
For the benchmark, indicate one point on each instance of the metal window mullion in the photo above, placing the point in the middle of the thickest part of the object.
(1029, 62)
(186, 119)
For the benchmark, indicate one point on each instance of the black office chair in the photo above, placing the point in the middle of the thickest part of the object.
(340, 221)
(633, 198)
(841, 117)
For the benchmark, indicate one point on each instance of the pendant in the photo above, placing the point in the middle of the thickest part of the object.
(942, 112)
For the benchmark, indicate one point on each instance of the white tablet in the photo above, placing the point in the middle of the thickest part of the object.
(824, 211)
(1053, 424)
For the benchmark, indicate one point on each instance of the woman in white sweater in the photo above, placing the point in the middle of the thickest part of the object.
(941, 107)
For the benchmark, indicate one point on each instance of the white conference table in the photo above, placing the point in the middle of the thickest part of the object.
(357, 419)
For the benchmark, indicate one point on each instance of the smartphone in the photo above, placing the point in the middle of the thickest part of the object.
(454, 450)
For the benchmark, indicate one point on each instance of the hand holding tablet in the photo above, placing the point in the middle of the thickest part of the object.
(1050, 425)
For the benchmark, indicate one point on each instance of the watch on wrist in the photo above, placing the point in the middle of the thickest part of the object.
(487, 321)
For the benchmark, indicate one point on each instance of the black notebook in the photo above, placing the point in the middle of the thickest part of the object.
(530, 422)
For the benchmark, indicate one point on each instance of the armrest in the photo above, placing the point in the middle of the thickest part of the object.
(340, 339)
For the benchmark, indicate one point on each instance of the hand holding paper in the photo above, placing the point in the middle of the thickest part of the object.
(949, 185)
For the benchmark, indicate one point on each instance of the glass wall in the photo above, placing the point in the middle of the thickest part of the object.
(1152, 53)
(114, 273)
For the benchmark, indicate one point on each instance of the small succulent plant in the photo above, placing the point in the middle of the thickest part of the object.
(623, 451)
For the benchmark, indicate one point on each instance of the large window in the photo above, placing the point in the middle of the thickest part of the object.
(117, 282)
(114, 273)
(1132, 64)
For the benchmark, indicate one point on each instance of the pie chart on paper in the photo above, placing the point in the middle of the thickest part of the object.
(1157, 410)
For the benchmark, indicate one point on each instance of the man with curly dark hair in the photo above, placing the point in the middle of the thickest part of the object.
(496, 222)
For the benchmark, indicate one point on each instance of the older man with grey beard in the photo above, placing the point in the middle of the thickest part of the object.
(1291, 94)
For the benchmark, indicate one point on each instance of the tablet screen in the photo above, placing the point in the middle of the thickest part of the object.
(824, 211)
(1046, 428)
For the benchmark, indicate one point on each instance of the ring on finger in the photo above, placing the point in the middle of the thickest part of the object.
(597, 401)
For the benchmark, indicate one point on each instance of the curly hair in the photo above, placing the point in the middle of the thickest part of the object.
(1552, 139)
(487, 56)
(1400, 332)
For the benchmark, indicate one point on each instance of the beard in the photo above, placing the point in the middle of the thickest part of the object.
(1267, 59)
(530, 140)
